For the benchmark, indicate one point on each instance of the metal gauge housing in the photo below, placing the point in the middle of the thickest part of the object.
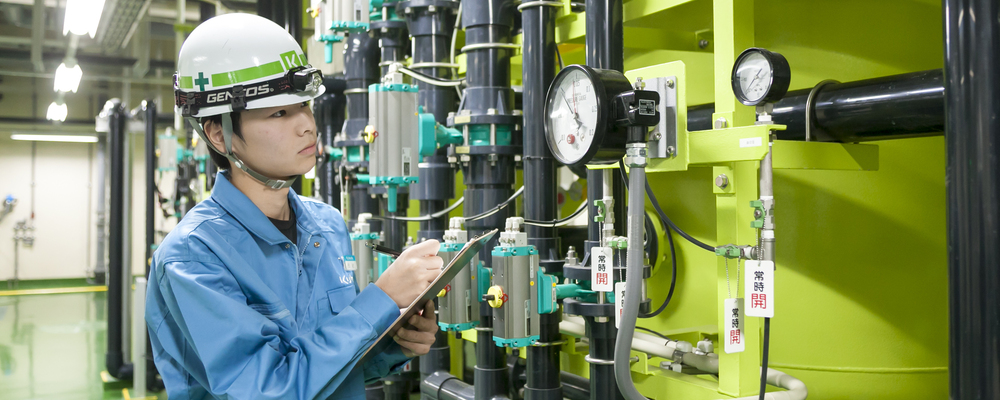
(579, 125)
(760, 76)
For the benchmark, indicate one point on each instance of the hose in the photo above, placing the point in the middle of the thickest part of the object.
(633, 287)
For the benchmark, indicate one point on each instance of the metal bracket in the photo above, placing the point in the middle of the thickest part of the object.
(663, 138)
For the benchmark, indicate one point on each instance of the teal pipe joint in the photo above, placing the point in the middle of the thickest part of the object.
(515, 343)
(392, 87)
(434, 135)
(348, 26)
(479, 135)
(384, 261)
(334, 154)
(547, 293)
(364, 236)
(511, 251)
(457, 327)
(392, 183)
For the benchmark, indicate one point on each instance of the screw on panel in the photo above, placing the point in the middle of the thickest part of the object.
(722, 181)
(721, 123)
(670, 83)
(702, 44)
(671, 150)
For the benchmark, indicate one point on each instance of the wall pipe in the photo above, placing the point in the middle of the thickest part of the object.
(431, 33)
(680, 351)
(329, 113)
(604, 46)
(539, 67)
(431, 24)
(972, 138)
(114, 356)
(361, 55)
(888, 107)
(149, 108)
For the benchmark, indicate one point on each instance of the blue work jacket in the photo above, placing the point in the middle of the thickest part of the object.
(236, 311)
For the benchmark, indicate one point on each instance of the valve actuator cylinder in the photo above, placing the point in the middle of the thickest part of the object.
(514, 294)
(458, 305)
(392, 133)
(362, 239)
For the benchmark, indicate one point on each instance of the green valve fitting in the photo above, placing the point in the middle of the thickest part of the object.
(433, 135)
(728, 251)
(600, 211)
(758, 214)
(334, 154)
(620, 243)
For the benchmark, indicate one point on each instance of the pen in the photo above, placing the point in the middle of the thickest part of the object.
(385, 250)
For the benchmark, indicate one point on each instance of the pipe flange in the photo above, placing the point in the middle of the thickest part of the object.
(539, 4)
(548, 344)
(356, 91)
(810, 103)
(597, 361)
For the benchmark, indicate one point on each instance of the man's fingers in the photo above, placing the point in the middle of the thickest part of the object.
(418, 349)
(424, 323)
(415, 336)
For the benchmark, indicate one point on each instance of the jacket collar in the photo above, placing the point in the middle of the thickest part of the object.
(249, 215)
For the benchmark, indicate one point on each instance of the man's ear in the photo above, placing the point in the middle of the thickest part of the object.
(213, 131)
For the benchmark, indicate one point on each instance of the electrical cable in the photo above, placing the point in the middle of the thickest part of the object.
(763, 360)
(430, 79)
(454, 34)
(654, 333)
(559, 222)
(670, 239)
(559, 57)
(496, 209)
(656, 205)
(438, 214)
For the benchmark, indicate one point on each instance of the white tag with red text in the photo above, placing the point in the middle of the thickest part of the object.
(601, 265)
(619, 303)
(732, 311)
(759, 288)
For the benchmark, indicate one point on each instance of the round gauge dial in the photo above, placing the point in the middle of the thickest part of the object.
(760, 76)
(572, 115)
(577, 114)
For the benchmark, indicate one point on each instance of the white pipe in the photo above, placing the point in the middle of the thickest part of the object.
(656, 346)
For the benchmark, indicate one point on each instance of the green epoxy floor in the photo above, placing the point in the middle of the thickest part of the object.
(52, 347)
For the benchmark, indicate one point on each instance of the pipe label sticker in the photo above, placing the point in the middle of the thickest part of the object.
(751, 142)
(619, 303)
(759, 288)
(350, 263)
(732, 313)
(602, 262)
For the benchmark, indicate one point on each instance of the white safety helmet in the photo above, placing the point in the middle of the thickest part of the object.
(237, 62)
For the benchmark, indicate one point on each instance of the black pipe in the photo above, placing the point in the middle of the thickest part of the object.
(604, 41)
(444, 386)
(543, 379)
(972, 137)
(602, 347)
(361, 55)
(575, 387)
(431, 34)
(151, 164)
(490, 373)
(540, 203)
(888, 107)
(114, 357)
(329, 119)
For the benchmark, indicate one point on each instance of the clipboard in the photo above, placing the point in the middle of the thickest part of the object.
(464, 256)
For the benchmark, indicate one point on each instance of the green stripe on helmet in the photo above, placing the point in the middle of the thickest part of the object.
(247, 74)
(186, 82)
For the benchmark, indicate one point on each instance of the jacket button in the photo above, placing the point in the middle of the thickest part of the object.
(287, 245)
(316, 244)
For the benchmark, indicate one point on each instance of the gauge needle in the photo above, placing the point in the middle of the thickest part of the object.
(755, 78)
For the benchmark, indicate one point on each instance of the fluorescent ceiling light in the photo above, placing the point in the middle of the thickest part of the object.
(67, 78)
(55, 138)
(56, 112)
(82, 17)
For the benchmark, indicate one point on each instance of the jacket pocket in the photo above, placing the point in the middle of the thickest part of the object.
(340, 298)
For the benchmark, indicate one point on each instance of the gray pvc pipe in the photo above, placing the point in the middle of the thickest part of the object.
(633, 285)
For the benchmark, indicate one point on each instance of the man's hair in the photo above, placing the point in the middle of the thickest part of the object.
(220, 160)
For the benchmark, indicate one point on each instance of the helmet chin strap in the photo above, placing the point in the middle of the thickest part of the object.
(227, 136)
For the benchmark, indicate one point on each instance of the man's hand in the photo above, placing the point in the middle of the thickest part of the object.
(418, 338)
(411, 273)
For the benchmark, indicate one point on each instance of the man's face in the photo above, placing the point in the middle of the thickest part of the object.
(278, 141)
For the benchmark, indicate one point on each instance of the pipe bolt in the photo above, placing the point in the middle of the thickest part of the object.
(722, 181)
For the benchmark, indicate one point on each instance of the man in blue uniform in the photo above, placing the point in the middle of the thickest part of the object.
(248, 297)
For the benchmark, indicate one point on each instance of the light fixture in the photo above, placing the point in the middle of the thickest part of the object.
(44, 137)
(67, 78)
(82, 17)
(57, 112)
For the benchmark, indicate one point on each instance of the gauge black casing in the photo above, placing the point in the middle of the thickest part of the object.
(781, 76)
(609, 139)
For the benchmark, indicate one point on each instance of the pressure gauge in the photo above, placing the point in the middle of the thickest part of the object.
(760, 76)
(579, 115)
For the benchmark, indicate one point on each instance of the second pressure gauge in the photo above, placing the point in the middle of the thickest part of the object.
(579, 120)
(760, 76)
